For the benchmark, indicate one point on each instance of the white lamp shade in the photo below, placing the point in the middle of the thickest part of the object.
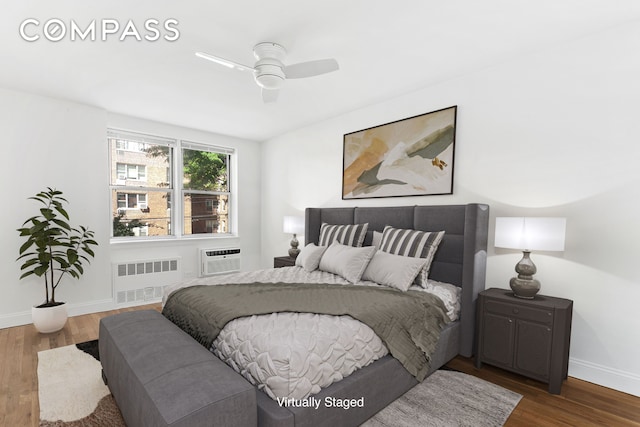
(540, 234)
(293, 225)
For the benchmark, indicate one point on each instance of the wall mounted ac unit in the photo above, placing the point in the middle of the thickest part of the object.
(219, 261)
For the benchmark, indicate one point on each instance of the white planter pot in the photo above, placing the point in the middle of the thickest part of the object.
(49, 319)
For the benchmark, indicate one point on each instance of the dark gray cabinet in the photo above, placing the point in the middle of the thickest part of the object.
(529, 337)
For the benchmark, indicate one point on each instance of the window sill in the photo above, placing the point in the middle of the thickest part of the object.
(171, 240)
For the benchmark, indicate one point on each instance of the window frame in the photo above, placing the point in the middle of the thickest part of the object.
(230, 153)
(175, 191)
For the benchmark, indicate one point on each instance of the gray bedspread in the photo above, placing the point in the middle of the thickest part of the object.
(409, 323)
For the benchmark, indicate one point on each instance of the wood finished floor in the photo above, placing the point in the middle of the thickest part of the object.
(580, 404)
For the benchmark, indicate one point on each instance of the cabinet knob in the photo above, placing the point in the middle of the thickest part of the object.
(516, 311)
(510, 321)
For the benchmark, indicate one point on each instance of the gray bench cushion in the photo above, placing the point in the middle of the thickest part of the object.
(160, 376)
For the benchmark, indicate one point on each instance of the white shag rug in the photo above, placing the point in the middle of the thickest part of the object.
(71, 390)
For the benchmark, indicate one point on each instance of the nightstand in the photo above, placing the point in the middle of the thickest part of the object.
(283, 261)
(526, 336)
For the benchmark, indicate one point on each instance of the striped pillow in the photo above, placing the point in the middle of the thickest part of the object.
(412, 243)
(350, 235)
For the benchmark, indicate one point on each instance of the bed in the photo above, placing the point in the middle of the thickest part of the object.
(459, 260)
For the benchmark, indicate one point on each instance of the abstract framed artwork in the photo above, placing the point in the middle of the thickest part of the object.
(408, 157)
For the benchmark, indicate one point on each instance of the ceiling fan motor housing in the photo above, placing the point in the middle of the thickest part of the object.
(269, 73)
(269, 70)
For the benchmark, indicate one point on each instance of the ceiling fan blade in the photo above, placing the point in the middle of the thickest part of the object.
(270, 95)
(311, 68)
(222, 61)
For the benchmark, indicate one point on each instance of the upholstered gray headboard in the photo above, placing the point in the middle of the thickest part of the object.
(460, 259)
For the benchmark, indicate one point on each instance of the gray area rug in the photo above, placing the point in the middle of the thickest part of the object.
(446, 398)
(449, 399)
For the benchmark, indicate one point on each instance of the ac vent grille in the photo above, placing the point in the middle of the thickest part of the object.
(148, 267)
(148, 294)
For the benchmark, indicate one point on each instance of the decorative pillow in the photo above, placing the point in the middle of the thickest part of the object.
(376, 239)
(449, 294)
(350, 235)
(412, 243)
(309, 257)
(393, 270)
(346, 261)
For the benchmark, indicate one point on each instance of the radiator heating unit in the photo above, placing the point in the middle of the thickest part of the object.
(219, 261)
(143, 281)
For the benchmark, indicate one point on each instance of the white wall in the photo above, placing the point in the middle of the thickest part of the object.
(548, 133)
(59, 144)
(50, 142)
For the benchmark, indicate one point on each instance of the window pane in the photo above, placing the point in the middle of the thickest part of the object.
(141, 214)
(137, 164)
(206, 213)
(132, 201)
(204, 170)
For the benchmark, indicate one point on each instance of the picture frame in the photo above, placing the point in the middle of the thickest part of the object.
(408, 157)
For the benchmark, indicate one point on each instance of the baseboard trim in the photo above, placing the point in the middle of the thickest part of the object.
(91, 307)
(24, 317)
(626, 382)
(15, 319)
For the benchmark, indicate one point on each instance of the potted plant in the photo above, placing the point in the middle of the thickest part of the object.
(53, 250)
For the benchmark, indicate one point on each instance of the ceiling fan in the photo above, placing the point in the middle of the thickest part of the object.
(269, 70)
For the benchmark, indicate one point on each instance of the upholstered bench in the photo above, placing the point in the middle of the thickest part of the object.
(160, 376)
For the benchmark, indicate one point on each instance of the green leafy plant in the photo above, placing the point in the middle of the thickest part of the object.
(53, 248)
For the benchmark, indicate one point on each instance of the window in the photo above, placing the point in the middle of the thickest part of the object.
(133, 172)
(131, 201)
(205, 183)
(130, 145)
(148, 173)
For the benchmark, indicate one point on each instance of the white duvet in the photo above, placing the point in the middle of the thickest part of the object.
(297, 354)
(292, 355)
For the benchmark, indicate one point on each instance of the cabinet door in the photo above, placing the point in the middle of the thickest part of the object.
(497, 340)
(533, 349)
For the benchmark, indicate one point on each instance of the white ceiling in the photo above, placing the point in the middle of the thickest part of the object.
(384, 48)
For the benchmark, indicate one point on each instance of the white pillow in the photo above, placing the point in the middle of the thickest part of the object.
(395, 271)
(346, 261)
(309, 257)
(376, 239)
(449, 294)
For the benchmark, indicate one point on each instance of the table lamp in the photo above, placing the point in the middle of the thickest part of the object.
(293, 225)
(527, 234)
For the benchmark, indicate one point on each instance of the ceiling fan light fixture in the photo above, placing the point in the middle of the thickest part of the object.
(269, 74)
(269, 81)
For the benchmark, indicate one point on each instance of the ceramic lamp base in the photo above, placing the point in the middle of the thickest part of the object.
(525, 286)
(294, 251)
